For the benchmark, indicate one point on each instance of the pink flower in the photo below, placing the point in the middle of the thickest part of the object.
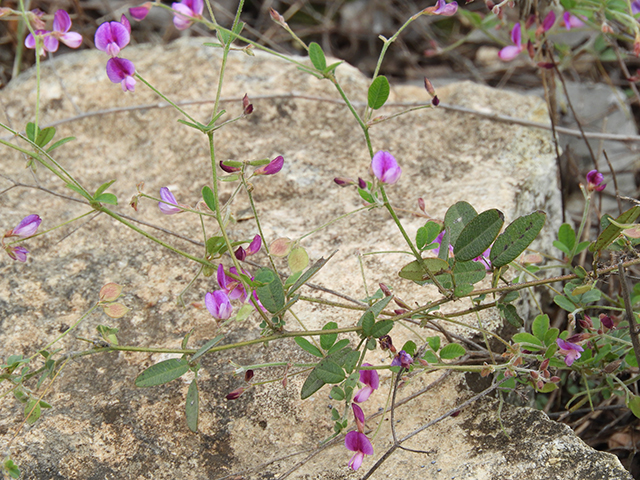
(512, 51)
(548, 21)
(571, 21)
(27, 227)
(571, 351)
(187, 11)
(218, 305)
(17, 253)
(121, 70)
(140, 12)
(359, 417)
(402, 359)
(60, 33)
(443, 9)
(594, 181)
(233, 288)
(359, 443)
(111, 37)
(371, 382)
(273, 167)
(169, 204)
(253, 247)
(385, 167)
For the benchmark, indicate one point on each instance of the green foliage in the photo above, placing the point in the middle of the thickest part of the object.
(456, 218)
(192, 406)
(611, 232)
(162, 372)
(206, 347)
(271, 293)
(329, 370)
(316, 55)
(378, 92)
(451, 351)
(208, 197)
(478, 235)
(516, 238)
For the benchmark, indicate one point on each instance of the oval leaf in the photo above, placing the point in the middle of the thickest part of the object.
(381, 328)
(415, 272)
(162, 372)
(209, 199)
(516, 238)
(610, 233)
(298, 259)
(307, 346)
(456, 218)
(271, 294)
(378, 92)
(317, 56)
(451, 351)
(330, 372)
(327, 341)
(478, 235)
(110, 292)
(192, 406)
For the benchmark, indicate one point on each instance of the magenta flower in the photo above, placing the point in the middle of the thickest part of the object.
(635, 7)
(571, 21)
(512, 51)
(446, 10)
(594, 181)
(27, 227)
(140, 12)
(402, 359)
(253, 247)
(121, 70)
(484, 259)
(385, 167)
(273, 167)
(60, 33)
(218, 305)
(169, 204)
(359, 443)
(229, 169)
(233, 288)
(111, 37)
(549, 21)
(571, 351)
(371, 382)
(17, 253)
(187, 11)
(359, 416)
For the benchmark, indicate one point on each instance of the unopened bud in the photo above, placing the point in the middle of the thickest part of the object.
(134, 202)
(235, 394)
(276, 17)
(607, 321)
(362, 184)
(421, 205)
(429, 87)
(555, 379)
(435, 101)
(544, 365)
(401, 303)
(496, 10)
(385, 342)
(385, 290)
(534, 375)
(613, 366)
(606, 28)
(343, 182)
(229, 169)
(586, 322)
(247, 107)
(540, 384)
(248, 375)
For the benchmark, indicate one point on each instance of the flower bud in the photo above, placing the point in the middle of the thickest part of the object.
(235, 394)
(248, 375)
(343, 182)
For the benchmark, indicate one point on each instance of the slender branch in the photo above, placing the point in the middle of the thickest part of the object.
(633, 324)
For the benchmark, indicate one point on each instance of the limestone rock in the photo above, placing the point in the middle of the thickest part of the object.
(101, 425)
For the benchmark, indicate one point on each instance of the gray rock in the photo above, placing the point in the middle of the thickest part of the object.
(101, 425)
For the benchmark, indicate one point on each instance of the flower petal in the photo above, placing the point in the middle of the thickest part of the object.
(61, 21)
(509, 53)
(385, 167)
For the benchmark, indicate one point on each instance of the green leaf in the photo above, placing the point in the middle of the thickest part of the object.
(380, 305)
(315, 382)
(351, 360)
(430, 357)
(108, 198)
(108, 333)
(529, 341)
(338, 346)
(214, 245)
(456, 218)
(478, 235)
(547, 388)
(381, 328)
(102, 188)
(59, 143)
(331, 68)
(31, 131)
(79, 191)
(510, 314)
(11, 468)
(208, 197)
(163, 372)
(633, 403)
(317, 56)
(562, 247)
(610, 233)
(298, 259)
(329, 371)
(271, 294)
(464, 273)
(368, 320)
(551, 336)
(516, 238)
(337, 394)
(566, 236)
(451, 351)
(32, 408)
(366, 196)
(206, 347)
(540, 326)
(291, 279)
(185, 340)
(631, 360)
(462, 290)
(311, 271)
(307, 346)
(378, 92)
(409, 347)
(326, 341)
(434, 343)
(45, 136)
(421, 238)
(192, 406)
(415, 272)
(564, 303)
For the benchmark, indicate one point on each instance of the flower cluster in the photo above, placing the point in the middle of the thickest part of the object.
(111, 37)
(186, 12)
(594, 181)
(356, 440)
(51, 38)
(27, 227)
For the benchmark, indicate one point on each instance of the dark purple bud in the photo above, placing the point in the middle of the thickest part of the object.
(229, 169)
(248, 375)
(362, 184)
(235, 394)
(385, 342)
(607, 321)
(385, 290)
(343, 182)
(240, 254)
(435, 101)
(586, 322)
(545, 65)
(247, 107)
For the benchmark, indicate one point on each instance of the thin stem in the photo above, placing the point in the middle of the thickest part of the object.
(166, 99)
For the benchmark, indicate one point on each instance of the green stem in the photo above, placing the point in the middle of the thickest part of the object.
(165, 98)
(363, 126)
(345, 215)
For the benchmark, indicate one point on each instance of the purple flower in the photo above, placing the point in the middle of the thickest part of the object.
(570, 350)
(438, 240)
(111, 37)
(635, 7)
(548, 21)
(169, 204)
(443, 9)
(371, 382)
(233, 288)
(403, 359)
(140, 12)
(218, 305)
(60, 33)
(229, 169)
(359, 416)
(512, 51)
(273, 167)
(187, 11)
(484, 258)
(359, 443)
(17, 253)
(571, 21)
(27, 227)
(254, 246)
(594, 181)
(385, 167)
(121, 70)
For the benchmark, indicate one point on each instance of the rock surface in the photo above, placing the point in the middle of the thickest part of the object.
(101, 425)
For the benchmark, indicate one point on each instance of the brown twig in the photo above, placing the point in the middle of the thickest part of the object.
(615, 180)
(633, 325)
